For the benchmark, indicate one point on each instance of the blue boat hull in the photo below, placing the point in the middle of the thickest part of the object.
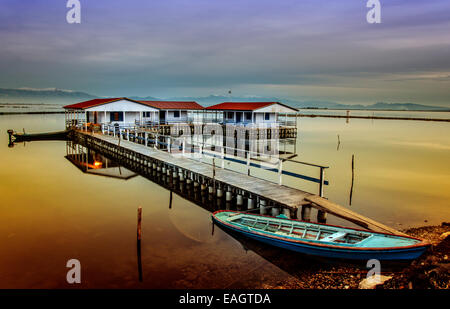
(341, 253)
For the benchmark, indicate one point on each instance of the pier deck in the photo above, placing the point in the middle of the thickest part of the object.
(282, 196)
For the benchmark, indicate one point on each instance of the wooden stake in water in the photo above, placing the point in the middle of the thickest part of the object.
(139, 236)
(214, 176)
(353, 177)
(139, 229)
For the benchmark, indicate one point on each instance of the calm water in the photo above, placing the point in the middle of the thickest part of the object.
(378, 113)
(25, 108)
(51, 212)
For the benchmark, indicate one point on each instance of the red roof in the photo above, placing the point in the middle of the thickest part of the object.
(240, 106)
(244, 106)
(155, 104)
(173, 104)
(91, 103)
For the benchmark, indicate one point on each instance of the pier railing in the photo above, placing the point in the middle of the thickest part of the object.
(201, 151)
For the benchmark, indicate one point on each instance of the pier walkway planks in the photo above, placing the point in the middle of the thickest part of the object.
(288, 197)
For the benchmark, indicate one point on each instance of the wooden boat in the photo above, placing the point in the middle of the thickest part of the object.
(321, 239)
(19, 137)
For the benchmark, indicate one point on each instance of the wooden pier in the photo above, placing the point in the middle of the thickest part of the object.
(233, 186)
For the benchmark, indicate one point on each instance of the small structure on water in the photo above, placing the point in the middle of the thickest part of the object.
(249, 112)
(167, 112)
(128, 112)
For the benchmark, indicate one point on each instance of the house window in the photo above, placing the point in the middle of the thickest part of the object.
(116, 116)
(267, 116)
(230, 115)
(176, 114)
(248, 116)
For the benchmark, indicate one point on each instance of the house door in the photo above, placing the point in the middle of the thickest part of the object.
(162, 117)
(95, 117)
(238, 117)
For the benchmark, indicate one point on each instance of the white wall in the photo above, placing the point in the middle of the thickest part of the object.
(275, 108)
(132, 112)
(100, 117)
(122, 106)
(129, 117)
(171, 118)
(154, 117)
(130, 109)
(259, 117)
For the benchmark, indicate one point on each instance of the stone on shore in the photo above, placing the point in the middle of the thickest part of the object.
(372, 282)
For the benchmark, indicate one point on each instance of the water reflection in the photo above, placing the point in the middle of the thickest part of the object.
(91, 162)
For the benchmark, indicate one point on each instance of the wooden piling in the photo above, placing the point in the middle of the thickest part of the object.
(139, 228)
(138, 244)
(321, 216)
(214, 175)
(306, 212)
(353, 177)
(250, 203)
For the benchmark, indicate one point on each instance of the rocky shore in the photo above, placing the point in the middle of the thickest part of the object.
(430, 271)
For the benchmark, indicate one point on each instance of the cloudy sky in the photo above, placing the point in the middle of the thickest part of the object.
(298, 49)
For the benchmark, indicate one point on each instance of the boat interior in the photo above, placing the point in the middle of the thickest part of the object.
(300, 230)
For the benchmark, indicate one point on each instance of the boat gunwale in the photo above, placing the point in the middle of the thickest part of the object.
(422, 243)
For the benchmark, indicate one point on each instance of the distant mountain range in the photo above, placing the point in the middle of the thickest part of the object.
(375, 106)
(50, 95)
(313, 104)
(60, 96)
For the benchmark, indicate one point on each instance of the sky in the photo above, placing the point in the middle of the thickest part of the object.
(298, 49)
